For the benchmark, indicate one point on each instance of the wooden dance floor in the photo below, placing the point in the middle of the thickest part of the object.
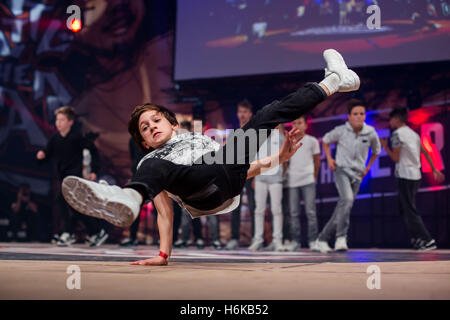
(40, 271)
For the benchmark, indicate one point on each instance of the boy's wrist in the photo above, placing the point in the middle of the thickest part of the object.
(164, 255)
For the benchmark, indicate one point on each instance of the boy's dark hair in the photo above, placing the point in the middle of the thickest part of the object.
(245, 104)
(400, 113)
(355, 103)
(133, 123)
(68, 111)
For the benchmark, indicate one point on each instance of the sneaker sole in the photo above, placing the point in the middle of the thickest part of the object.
(83, 199)
(428, 249)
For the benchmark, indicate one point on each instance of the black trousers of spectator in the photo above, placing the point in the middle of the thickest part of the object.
(407, 190)
(236, 213)
(30, 218)
(286, 216)
(135, 227)
(70, 217)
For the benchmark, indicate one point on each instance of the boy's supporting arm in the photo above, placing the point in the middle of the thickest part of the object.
(437, 174)
(163, 205)
(287, 150)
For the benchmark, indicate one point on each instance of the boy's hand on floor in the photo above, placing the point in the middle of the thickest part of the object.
(155, 261)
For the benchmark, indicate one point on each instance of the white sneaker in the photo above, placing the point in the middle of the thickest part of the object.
(323, 246)
(349, 80)
(256, 246)
(66, 239)
(292, 246)
(275, 246)
(341, 244)
(118, 206)
(233, 244)
(99, 239)
(313, 246)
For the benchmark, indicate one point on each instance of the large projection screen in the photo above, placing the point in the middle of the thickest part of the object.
(224, 38)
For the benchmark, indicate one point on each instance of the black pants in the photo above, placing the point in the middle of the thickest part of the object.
(236, 213)
(407, 190)
(70, 217)
(30, 218)
(135, 227)
(207, 186)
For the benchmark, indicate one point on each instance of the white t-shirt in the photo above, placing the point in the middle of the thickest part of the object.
(408, 166)
(300, 171)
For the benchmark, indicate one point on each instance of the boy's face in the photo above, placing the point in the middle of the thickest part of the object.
(301, 125)
(244, 114)
(155, 129)
(357, 117)
(62, 123)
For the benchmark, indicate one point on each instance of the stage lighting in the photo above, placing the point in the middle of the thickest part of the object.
(75, 25)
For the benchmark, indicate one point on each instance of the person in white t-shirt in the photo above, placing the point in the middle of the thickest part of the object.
(406, 150)
(301, 177)
(269, 183)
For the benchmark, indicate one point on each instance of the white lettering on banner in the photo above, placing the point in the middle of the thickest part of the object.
(60, 96)
(428, 131)
(326, 175)
(27, 122)
(5, 48)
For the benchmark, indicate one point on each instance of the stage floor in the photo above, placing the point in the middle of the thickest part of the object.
(40, 271)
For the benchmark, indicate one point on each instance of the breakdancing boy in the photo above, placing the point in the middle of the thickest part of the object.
(181, 167)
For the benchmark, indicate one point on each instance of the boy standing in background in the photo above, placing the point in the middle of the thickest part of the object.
(405, 152)
(66, 148)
